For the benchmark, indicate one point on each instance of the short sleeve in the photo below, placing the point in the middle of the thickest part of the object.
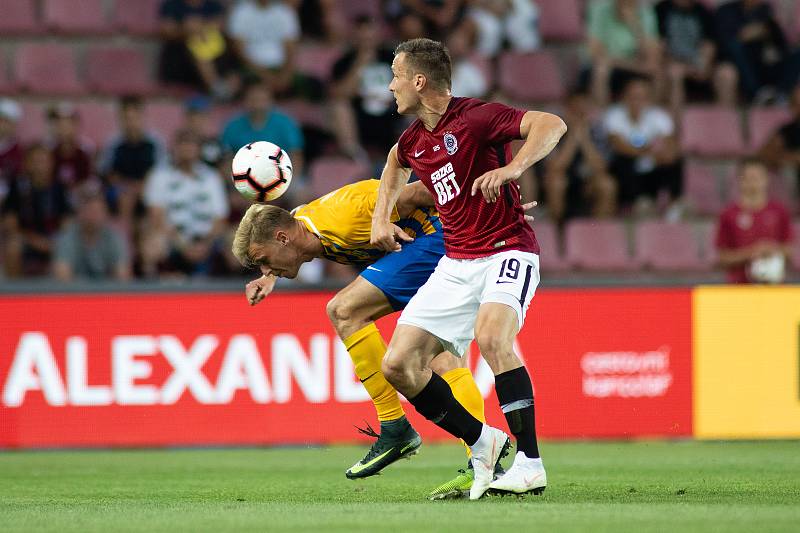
(402, 147)
(291, 27)
(595, 19)
(154, 189)
(237, 22)
(614, 122)
(496, 123)
(662, 123)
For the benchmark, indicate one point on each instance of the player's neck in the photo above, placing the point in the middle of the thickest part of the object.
(432, 109)
(310, 245)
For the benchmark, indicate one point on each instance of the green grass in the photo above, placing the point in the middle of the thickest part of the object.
(645, 486)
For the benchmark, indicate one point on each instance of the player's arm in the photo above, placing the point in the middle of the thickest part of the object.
(413, 196)
(384, 234)
(541, 132)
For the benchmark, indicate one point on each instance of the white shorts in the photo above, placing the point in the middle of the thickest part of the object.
(447, 305)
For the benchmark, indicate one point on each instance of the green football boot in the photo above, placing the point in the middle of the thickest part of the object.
(396, 441)
(459, 486)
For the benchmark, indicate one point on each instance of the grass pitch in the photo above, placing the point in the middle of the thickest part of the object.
(644, 486)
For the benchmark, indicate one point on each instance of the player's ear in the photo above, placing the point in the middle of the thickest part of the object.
(420, 81)
(282, 237)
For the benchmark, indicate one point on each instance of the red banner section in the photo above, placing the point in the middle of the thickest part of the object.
(207, 369)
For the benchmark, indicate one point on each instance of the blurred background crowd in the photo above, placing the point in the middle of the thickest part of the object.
(118, 119)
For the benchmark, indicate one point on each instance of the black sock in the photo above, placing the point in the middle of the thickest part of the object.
(437, 403)
(515, 393)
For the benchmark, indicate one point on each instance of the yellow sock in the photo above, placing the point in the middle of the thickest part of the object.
(366, 349)
(467, 393)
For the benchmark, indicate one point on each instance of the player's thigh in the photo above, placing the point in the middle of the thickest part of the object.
(359, 300)
(446, 361)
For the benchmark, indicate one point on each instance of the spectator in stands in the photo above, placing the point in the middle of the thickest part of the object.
(266, 33)
(187, 210)
(262, 122)
(752, 39)
(197, 119)
(363, 109)
(195, 51)
(645, 157)
(576, 180)
(89, 247)
(10, 149)
(33, 212)
(623, 42)
(496, 23)
(754, 233)
(783, 146)
(467, 78)
(686, 28)
(425, 18)
(72, 156)
(128, 158)
(320, 19)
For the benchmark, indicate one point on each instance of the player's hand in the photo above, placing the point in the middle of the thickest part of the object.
(527, 207)
(258, 289)
(489, 183)
(387, 236)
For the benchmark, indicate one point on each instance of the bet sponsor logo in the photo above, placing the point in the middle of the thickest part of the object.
(626, 374)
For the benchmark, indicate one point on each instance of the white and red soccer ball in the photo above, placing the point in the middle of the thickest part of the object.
(261, 171)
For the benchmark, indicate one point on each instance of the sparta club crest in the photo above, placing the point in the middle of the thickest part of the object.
(450, 143)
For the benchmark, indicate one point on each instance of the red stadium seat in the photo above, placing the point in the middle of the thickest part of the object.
(701, 188)
(763, 121)
(19, 17)
(33, 125)
(98, 121)
(118, 71)
(665, 246)
(329, 173)
(138, 18)
(164, 119)
(561, 20)
(531, 77)
(598, 245)
(551, 257)
(307, 113)
(712, 132)
(317, 60)
(76, 16)
(47, 69)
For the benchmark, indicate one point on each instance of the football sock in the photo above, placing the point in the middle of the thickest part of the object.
(437, 403)
(515, 393)
(466, 393)
(366, 349)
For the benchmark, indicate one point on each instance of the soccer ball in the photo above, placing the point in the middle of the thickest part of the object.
(261, 171)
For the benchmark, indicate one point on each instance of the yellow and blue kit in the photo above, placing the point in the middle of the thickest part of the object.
(342, 220)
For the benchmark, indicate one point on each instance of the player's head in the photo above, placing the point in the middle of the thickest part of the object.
(266, 239)
(753, 180)
(420, 66)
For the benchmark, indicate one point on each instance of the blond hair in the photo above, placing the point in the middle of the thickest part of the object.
(258, 226)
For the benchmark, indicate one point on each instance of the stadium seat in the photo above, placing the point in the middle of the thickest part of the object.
(47, 69)
(598, 245)
(33, 126)
(763, 121)
(666, 246)
(551, 257)
(712, 132)
(561, 20)
(164, 119)
(98, 121)
(329, 173)
(19, 17)
(532, 77)
(316, 60)
(118, 71)
(76, 16)
(7, 85)
(307, 113)
(138, 18)
(701, 189)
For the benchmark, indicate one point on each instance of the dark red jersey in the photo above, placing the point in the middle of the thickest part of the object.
(739, 228)
(471, 138)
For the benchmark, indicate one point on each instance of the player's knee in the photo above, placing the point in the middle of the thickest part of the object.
(393, 370)
(339, 310)
(493, 347)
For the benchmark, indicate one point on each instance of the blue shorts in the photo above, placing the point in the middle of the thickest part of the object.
(399, 274)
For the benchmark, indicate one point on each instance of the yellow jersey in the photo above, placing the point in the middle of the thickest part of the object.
(342, 220)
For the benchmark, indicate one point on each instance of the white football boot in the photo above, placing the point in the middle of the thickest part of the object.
(524, 477)
(485, 453)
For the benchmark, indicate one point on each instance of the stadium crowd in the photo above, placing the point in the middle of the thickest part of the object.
(120, 169)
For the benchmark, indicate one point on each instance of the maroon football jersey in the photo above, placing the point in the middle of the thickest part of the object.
(739, 228)
(471, 138)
